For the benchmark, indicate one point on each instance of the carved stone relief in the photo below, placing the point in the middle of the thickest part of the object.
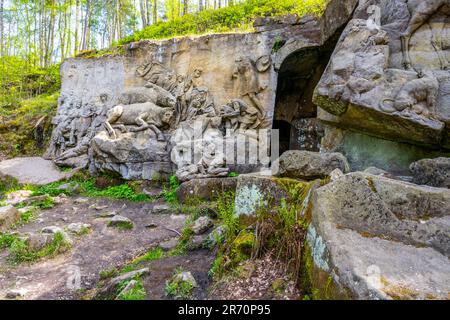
(393, 70)
(117, 135)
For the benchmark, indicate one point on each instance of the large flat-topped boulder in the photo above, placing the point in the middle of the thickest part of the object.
(34, 170)
(310, 165)
(257, 191)
(206, 189)
(381, 86)
(432, 172)
(379, 238)
(139, 113)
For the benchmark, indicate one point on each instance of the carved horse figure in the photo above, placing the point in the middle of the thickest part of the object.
(420, 15)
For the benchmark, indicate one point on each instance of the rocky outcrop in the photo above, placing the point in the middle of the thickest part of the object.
(33, 170)
(8, 216)
(379, 238)
(254, 192)
(176, 105)
(432, 172)
(388, 75)
(205, 189)
(310, 165)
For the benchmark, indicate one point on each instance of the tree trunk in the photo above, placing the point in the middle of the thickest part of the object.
(185, 6)
(155, 11)
(143, 8)
(77, 29)
(86, 27)
(1, 28)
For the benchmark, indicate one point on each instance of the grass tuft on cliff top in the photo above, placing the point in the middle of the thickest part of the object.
(238, 17)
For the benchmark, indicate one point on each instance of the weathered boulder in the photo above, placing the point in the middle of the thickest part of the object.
(17, 197)
(78, 228)
(53, 230)
(256, 191)
(185, 276)
(161, 209)
(38, 241)
(205, 189)
(8, 216)
(110, 287)
(33, 170)
(134, 155)
(379, 238)
(201, 225)
(310, 165)
(432, 172)
(169, 244)
(120, 222)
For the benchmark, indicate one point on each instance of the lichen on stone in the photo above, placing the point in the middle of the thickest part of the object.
(248, 199)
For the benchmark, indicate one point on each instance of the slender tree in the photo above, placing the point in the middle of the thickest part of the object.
(2, 26)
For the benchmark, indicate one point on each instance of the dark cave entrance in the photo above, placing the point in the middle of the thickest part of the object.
(295, 114)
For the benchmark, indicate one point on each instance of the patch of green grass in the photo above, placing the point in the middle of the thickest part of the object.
(20, 252)
(178, 289)
(20, 120)
(8, 185)
(233, 174)
(136, 293)
(6, 239)
(151, 255)
(88, 189)
(52, 189)
(170, 192)
(25, 218)
(108, 273)
(125, 225)
(154, 254)
(46, 203)
(184, 243)
(237, 17)
(217, 266)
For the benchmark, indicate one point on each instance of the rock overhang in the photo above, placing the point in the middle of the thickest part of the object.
(366, 86)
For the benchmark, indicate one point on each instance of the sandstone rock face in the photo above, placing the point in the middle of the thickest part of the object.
(8, 216)
(378, 86)
(256, 191)
(310, 165)
(382, 239)
(175, 105)
(205, 189)
(33, 170)
(432, 172)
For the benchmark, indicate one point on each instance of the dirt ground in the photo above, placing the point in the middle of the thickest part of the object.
(103, 248)
(71, 275)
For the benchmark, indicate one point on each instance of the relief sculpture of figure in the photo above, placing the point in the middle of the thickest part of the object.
(211, 164)
(239, 115)
(81, 124)
(420, 95)
(200, 104)
(143, 115)
(249, 86)
(420, 15)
